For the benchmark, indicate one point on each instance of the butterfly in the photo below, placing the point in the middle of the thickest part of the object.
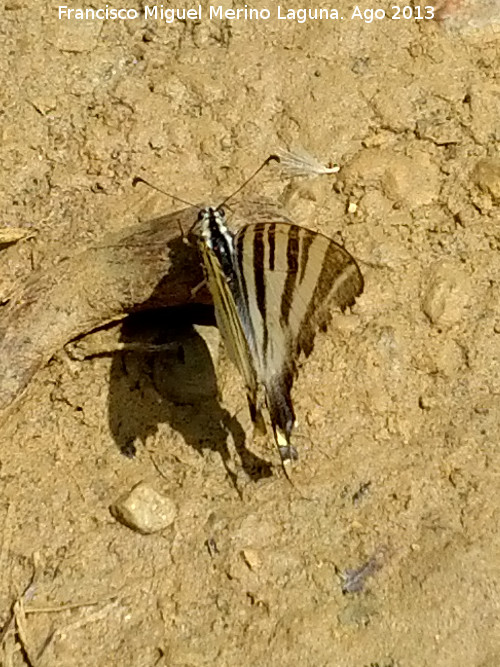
(273, 284)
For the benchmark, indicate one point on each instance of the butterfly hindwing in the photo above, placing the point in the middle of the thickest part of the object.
(292, 278)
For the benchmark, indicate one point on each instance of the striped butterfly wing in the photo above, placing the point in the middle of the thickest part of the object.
(290, 279)
(230, 315)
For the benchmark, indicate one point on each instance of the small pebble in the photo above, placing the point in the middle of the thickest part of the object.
(145, 510)
(251, 558)
(446, 294)
(486, 176)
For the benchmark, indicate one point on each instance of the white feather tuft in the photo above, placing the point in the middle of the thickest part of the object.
(301, 163)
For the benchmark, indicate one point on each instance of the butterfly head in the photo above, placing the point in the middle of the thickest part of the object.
(211, 229)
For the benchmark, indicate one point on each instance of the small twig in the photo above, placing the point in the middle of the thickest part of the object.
(78, 353)
(7, 627)
(158, 469)
(22, 632)
(8, 652)
(6, 539)
(17, 617)
(67, 607)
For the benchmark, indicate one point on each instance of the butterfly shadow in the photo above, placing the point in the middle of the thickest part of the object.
(166, 375)
(177, 384)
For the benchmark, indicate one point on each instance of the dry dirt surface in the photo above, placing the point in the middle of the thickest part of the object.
(386, 551)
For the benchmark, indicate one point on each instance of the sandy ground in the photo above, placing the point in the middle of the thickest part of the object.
(398, 405)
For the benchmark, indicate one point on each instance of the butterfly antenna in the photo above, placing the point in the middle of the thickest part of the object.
(271, 158)
(139, 179)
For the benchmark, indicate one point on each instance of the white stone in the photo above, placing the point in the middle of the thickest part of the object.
(145, 510)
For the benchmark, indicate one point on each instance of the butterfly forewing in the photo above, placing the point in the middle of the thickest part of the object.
(228, 312)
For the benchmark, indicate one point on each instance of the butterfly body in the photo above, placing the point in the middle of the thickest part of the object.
(273, 284)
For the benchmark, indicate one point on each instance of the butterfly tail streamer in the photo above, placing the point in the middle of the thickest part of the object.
(282, 414)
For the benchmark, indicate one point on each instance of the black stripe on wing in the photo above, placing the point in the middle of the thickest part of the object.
(304, 255)
(271, 239)
(259, 277)
(258, 254)
(292, 264)
(338, 284)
